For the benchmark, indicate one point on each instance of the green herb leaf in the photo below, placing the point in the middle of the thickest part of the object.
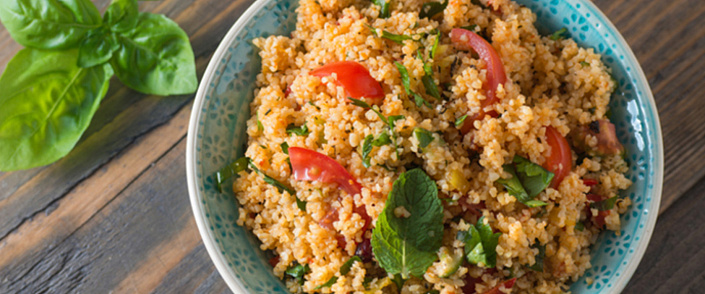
(344, 270)
(59, 24)
(429, 84)
(461, 120)
(405, 81)
(424, 136)
(97, 48)
(560, 34)
(366, 149)
(296, 130)
(383, 8)
(538, 265)
(481, 245)
(155, 57)
(230, 171)
(391, 120)
(527, 180)
(300, 204)
(584, 64)
(606, 204)
(297, 272)
(382, 140)
(272, 181)
(47, 103)
(408, 245)
(399, 281)
(429, 9)
(396, 38)
(434, 48)
(579, 226)
(121, 15)
(285, 147)
(260, 127)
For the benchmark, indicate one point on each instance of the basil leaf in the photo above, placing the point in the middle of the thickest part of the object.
(383, 8)
(297, 272)
(296, 130)
(408, 245)
(606, 204)
(429, 9)
(560, 34)
(538, 265)
(47, 103)
(121, 15)
(58, 24)
(481, 244)
(405, 81)
(459, 122)
(97, 48)
(424, 136)
(382, 140)
(155, 57)
(527, 180)
(366, 149)
(230, 171)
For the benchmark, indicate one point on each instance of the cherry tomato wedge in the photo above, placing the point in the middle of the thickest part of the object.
(354, 77)
(560, 161)
(508, 284)
(309, 165)
(465, 40)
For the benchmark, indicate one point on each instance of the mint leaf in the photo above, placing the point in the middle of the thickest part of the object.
(293, 129)
(297, 272)
(606, 204)
(408, 245)
(424, 136)
(528, 180)
(481, 244)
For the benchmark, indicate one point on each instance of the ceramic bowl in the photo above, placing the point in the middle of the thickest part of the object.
(217, 135)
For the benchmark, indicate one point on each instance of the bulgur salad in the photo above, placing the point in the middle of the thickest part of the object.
(428, 147)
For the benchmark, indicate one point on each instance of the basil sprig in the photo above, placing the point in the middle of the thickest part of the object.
(53, 87)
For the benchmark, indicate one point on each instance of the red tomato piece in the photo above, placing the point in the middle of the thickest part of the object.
(354, 77)
(590, 182)
(508, 284)
(465, 40)
(309, 165)
(560, 161)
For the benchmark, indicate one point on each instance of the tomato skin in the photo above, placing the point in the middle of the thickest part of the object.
(560, 161)
(465, 40)
(354, 77)
(309, 165)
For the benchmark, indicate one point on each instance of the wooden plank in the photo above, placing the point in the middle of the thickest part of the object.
(669, 41)
(149, 223)
(673, 262)
(195, 273)
(39, 235)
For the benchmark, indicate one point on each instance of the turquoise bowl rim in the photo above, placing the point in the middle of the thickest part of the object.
(196, 198)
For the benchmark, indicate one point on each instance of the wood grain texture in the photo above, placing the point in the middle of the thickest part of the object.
(114, 214)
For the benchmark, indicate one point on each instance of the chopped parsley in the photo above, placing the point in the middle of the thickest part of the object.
(405, 81)
(429, 9)
(366, 149)
(481, 244)
(389, 121)
(560, 34)
(297, 130)
(527, 180)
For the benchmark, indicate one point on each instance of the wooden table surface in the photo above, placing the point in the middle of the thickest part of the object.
(114, 214)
